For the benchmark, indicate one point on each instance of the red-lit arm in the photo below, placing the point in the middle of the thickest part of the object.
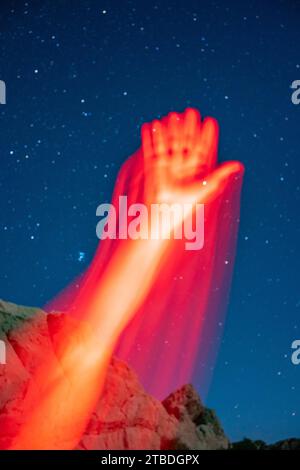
(68, 390)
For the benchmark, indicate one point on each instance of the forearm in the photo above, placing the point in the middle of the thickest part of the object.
(124, 285)
(64, 392)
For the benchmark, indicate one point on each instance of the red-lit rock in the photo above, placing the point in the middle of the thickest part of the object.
(126, 416)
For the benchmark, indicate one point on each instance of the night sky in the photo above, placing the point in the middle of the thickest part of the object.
(81, 77)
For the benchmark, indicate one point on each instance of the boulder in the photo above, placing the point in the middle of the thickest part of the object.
(126, 417)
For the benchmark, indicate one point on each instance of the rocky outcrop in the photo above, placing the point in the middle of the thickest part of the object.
(286, 444)
(198, 427)
(248, 444)
(126, 416)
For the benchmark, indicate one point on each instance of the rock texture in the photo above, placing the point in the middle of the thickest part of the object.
(198, 427)
(126, 416)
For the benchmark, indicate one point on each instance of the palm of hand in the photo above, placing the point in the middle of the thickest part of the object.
(180, 157)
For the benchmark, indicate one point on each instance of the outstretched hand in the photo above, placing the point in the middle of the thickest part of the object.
(180, 160)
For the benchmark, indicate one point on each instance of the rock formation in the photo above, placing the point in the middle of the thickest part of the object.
(126, 416)
(248, 444)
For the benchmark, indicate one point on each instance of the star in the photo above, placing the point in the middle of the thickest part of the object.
(81, 256)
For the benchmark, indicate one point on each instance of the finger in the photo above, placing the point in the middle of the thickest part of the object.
(192, 123)
(207, 145)
(158, 140)
(165, 121)
(147, 141)
(191, 132)
(216, 182)
(174, 134)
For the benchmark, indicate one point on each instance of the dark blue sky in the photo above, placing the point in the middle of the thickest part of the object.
(81, 77)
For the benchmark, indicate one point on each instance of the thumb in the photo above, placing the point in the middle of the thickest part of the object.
(215, 183)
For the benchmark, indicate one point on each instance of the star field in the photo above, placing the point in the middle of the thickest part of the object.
(81, 78)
